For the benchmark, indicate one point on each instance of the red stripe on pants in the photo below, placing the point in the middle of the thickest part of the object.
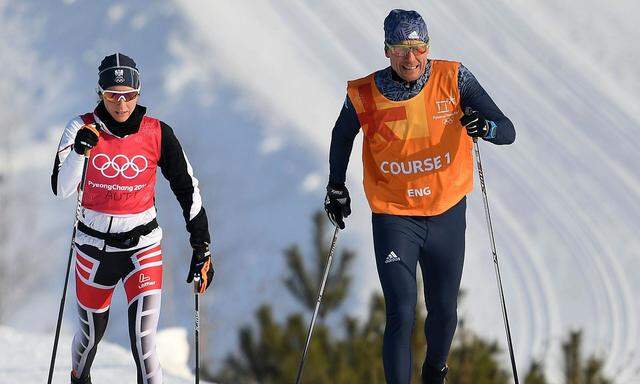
(92, 297)
(145, 279)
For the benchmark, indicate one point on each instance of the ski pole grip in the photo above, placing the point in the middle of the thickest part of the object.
(468, 111)
(92, 128)
(196, 283)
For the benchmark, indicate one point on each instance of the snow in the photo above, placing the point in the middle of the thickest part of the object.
(564, 198)
(254, 115)
(24, 358)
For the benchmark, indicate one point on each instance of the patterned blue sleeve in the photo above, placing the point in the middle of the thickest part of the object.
(344, 132)
(472, 95)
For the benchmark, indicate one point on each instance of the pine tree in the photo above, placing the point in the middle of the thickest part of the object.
(268, 354)
(535, 374)
(572, 362)
(593, 372)
(577, 371)
(303, 283)
(362, 345)
(473, 360)
(269, 351)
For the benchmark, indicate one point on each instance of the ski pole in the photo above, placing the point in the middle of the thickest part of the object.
(196, 329)
(495, 260)
(56, 338)
(315, 312)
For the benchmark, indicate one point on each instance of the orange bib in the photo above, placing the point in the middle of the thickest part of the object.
(417, 157)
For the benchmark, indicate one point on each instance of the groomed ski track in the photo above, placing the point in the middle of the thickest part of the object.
(256, 118)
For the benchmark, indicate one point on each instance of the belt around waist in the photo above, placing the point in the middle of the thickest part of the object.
(122, 240)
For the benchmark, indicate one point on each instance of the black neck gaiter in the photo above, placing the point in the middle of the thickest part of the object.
(128, 127)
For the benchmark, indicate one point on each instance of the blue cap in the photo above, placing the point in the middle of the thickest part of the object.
(402, 25)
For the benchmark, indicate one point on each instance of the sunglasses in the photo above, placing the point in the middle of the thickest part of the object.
(117, 96)
(402, 50)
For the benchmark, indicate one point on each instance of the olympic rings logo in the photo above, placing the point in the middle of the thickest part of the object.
(120, 165)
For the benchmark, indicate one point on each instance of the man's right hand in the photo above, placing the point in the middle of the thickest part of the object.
(86, 138)
(337, 204)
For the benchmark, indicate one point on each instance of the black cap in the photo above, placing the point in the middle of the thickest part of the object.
(118, 69)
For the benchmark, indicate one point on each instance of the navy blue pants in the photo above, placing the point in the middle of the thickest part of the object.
(437, 243)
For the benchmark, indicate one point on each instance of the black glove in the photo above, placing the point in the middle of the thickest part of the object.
(86, 138)
(201, 267)
(475, 124)
(337, 204)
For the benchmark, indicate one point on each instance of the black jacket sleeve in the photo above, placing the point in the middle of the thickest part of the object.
(177, 170)
(344, 132)
(54, 174)
(472, 95)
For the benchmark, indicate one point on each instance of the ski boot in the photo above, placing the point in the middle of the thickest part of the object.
(75, 380)
(431, 375)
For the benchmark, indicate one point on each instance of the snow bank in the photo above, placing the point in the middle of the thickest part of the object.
(24, 358)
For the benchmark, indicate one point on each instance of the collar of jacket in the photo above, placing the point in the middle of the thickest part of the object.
(411, 84)
(128, 127)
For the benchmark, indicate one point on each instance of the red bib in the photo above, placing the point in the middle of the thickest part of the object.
(121, 174)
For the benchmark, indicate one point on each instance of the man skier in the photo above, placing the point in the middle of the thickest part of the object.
(418, 168)
(118, 237)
